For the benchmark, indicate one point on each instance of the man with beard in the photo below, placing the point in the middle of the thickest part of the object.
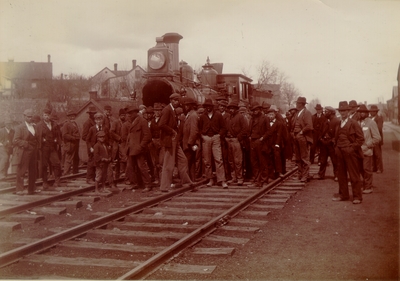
(212, 128)
(190, 135)
(327, 148)
(371, 139)
(49, 136)
(302, 136)
(222, 104)
(236, 132)
(154, 145)
(257, 129)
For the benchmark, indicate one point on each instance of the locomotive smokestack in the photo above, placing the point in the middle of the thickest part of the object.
(172, 41)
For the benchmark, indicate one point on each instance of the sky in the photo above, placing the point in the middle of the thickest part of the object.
(330, 50)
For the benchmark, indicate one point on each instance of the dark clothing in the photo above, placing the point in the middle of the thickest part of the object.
(101, 158)
(257, 129)
(318, 123)
(327, 148)
(212, 126)
(71, 136)
(6, 138)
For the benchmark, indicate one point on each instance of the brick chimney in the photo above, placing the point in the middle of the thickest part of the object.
(93, 95)
(133, 64)
(115, 67)
(48, 58)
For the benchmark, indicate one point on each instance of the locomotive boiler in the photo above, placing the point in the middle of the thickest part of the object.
(167, 75)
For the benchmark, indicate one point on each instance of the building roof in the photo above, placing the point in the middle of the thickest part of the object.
(26, 70)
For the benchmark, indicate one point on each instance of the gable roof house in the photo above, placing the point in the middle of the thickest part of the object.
(118, 84)
(24, 79)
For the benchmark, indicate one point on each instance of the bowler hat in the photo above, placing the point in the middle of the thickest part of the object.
(221, 98)
(223, 103)
(255, 105)
(178, 110)
(157, 106)
(208, 102)
(362, 108)
(343, 105)
(150, 109)
(132, 108)
(92, 109)
(318, 107)
(188, 100)
(242, 109)
(100, 134)
(28, 112)
(265, 105)
(273, 108)
(71, 112)
(234, 104)
(122, 111)
(353, 103)
(330, 108)
(292, 108)
(374, 108)
(302, 100)
(175, 96)
(98, 115)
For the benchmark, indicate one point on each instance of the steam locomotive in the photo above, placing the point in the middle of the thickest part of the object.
(166, 75)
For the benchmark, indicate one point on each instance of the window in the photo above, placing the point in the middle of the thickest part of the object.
(33, 85)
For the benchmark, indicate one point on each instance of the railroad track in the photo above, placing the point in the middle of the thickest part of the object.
(139, 237)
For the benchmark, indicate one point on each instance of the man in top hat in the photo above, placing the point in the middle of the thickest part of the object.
(377, 157)
(257, 129)
(71, 136)
(190, 135)
(6, 138)
(327, 148)
(349, 138)
(318, 120)
(237, 131)
(137, 144)
(371, 139)
(118, 158)
(353, 114)
(212, 128)
(302, 134)
(90, 175)
(171, 152)
(25, 152)
(49, 135)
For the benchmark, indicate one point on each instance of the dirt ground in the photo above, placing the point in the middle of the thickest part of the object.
(315, 238)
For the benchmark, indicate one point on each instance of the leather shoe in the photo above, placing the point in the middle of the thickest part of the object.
(224, 185)
(367, 191)
(210, 183)
(356, 201)
(339, 199)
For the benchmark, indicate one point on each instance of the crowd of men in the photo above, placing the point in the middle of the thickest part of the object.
(183, 142)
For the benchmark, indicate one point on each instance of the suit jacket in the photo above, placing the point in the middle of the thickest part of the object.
(115, 131)
(22, 145)
(379, 121)
(46, 137)
(139, 137)
(237, 126)
(258, 126)
(91, 138)
(86, 127)
(305, 121)
(273, 135)
(100, 151)
(354, 134)
(318, 124)
(70, 132)
(168, 126)
(6, 139)
(190, 130)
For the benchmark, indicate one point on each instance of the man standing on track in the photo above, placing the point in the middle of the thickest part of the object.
(71, 136)
(171, 151)
(348, 140)
(302, 136)
(25, 153)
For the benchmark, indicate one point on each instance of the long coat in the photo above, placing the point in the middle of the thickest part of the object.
(190, 130)
(21, 143)
(306, 124)
(139, 137)
(168, 126)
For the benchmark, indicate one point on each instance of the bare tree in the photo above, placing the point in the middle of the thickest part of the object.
(289, 93)
(267, 74)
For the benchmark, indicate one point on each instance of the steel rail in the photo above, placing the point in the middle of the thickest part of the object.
(48, 242)
(38, 182)
(155, 262)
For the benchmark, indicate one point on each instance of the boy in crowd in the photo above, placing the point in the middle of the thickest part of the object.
(101, 157)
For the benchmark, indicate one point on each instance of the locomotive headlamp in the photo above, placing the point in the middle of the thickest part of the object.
(156, 60)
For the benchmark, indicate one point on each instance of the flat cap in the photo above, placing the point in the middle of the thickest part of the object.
(175, 96)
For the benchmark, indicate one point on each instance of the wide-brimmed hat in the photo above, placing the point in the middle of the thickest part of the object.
(92, 109)
(353, 104)
(242, 109)
(374, 108)
(363, 108)
(175, 96)
(255, 105)
(234, 104)
(318, 107)
(208, 102)
(343, 105)
(47, 111)
(301, 100)
(292, 108)
(132, 108)
(273, 108)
